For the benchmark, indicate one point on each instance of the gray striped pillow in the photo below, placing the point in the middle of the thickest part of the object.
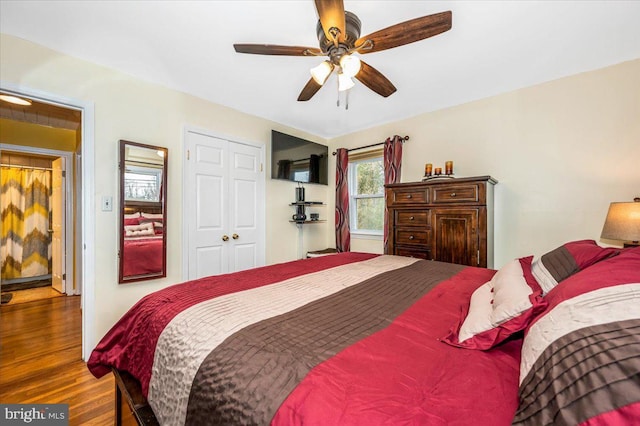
(559, 264)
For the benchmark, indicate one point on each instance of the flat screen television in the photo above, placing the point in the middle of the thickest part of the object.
(298, 160)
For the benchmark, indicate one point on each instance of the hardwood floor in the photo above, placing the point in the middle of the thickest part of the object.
(40, 361)
(32, 294)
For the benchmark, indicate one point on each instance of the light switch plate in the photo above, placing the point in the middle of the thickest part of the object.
(107, 204)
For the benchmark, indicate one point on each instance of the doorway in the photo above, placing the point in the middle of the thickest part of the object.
(36, 201)
(83, 186)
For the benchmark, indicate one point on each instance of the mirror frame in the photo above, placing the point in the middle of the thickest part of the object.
(122, 279)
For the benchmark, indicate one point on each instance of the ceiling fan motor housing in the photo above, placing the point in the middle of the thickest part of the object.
(353, 26)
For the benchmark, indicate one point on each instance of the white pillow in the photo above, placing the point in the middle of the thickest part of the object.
(499, 308)
(135, 215)
(139, 230)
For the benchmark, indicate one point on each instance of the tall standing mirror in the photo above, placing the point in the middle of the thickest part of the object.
(143, 213)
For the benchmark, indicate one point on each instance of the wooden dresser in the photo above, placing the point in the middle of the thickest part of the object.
(450, 220)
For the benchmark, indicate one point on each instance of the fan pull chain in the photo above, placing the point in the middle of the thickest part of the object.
(346, 99)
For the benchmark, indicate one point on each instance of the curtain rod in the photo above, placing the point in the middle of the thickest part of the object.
(25, 167)
(402, 139)
(301, 159)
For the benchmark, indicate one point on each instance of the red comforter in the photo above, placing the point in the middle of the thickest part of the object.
(142, 256)
(364, 350)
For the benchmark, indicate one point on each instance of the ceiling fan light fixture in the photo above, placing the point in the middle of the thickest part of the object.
(344, 82)
(321, 72)
(350, 65)
(15, 100)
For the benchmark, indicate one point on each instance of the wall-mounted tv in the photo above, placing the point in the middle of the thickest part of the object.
(298, 160)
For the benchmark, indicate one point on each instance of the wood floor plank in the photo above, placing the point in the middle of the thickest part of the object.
(40, 361)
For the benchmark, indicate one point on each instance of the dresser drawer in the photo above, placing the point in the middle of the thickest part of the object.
(412, 218)
(412, 236)
(420, 253)
(457, 194)
(401, 196)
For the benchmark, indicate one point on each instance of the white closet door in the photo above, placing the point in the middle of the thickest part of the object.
(224, 206)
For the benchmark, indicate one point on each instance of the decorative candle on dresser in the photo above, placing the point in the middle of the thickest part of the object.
(448, 168)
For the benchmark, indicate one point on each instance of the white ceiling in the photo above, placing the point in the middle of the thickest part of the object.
(493, 47)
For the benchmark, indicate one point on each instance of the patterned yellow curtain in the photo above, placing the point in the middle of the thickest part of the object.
(24, 204)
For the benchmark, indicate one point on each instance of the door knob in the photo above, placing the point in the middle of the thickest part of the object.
(225, 238)
(235, 236)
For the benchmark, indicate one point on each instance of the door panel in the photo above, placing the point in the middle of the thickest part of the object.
(245, 256)
(209, 155)
(245, 161)
(210, 191)
(209, 261)
(456, 236)
(57, 225)
(245, 211)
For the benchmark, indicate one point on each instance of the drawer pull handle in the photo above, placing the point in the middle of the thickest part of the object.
(409, 196)
(411, 218)
(453, 194)
(411, 237)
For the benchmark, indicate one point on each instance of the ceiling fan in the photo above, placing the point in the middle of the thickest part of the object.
(339, 36)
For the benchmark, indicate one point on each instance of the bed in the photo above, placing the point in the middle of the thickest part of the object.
(143, 241)
(144, 255)
(356, 338)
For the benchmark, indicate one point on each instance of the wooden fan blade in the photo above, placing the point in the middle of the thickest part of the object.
(406, 32)
(309, 90)
(273, 49)
(331, 13)
(374, 80)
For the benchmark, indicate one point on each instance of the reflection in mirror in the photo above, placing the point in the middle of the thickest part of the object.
(143, 194)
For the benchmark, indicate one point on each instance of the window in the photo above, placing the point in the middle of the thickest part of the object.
(300, 170)
(142, 183)
(366, 193)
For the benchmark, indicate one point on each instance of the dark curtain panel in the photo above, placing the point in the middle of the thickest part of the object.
(284, 169)
(343, 236)
(392, 167)
(314, 168)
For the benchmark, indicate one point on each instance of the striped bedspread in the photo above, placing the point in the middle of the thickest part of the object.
(343, 339)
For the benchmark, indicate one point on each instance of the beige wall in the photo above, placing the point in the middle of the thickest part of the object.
(561, 151)
(128, 108)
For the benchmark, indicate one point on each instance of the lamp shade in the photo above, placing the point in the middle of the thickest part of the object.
(623, 222)
(350, 65)
(321, 72)
(344, 82)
